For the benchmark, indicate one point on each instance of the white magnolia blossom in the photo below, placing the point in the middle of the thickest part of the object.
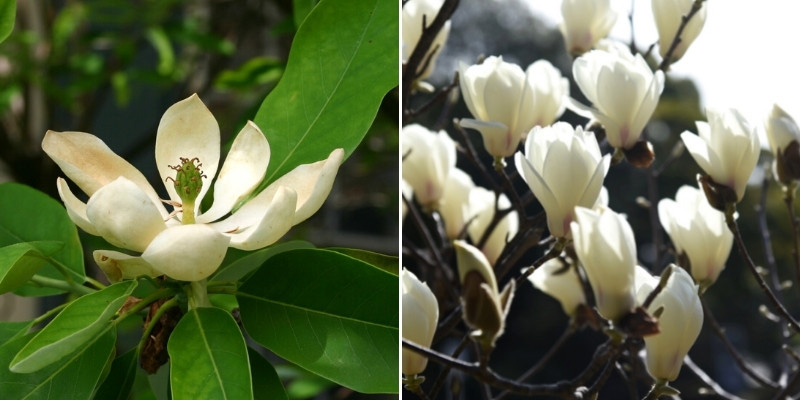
(698, 230)
(507, 102)
(781, 129)
(624, 92)
(428, 159)
(413, 13)
(454, 206)
(726, 148)
(407, 192)
(668, 15)
(606, 247)
(420, 316)
(564, 168)
(561, 282)
(585, 23)
(679, 324)
(481, 205)
(188, 244)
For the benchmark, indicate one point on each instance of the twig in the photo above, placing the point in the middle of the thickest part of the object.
(788, 200)
(439, 382)
(714, 386)
(696, 6)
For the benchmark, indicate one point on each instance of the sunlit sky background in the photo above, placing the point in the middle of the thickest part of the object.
(746, 56)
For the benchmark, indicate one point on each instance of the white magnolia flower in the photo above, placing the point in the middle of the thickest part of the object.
(726, 148)
(679, 324)
(188, 244)
(606, 247)
(455, 207)
(481, 206)
(507, 102)
(698, 230)
(624, 92)
(413, 13)
(561, 282)
(668, 15)
(428, 159)
(585, 23)
(405, 191)
(784, 141)
(564, 168)
(420, 315)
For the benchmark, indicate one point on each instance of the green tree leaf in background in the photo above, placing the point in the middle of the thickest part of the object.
(266, 383)
(382, 261)
(74, 329)
(342, 62)
(329, 313)
(73, 377)
(30, 215)
(241, 266)
(20, 261)
(8, 12)
(13, 330)
(208, 357)
(119, 381)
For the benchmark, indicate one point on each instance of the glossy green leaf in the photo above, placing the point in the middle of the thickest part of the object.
(13, 330)
(73, 377)
(329, 313)
(234, 268)
(8, 12)
(118, 383)
(266, 383)
(78, 325)
(387, 263)
(29, 215)
(208, 357)
(20, 261)
(342, 62)
(301, 9)
(302, 384)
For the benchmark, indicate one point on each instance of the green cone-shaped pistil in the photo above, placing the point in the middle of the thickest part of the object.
(188, 181)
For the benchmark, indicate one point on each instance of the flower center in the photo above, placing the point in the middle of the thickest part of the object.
(188, 182)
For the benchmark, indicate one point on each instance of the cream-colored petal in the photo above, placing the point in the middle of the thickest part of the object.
(312, 183)
(187, 252)
(124, 215)
(76, 209)
(498, 140)
(187, 130)
(88, 162)
(118, 266)
(243, 169)
(272, 223)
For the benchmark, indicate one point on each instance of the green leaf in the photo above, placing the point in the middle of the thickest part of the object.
(266, 383)
(208, 357)
(74, 377)
(302, 384)
(30, 215)
(328, 313)
(301, 9)
(342, 62)
(13, 330)
(8, 12)
(256, 71)
(117, 385)
(242, 266)
(78, 325)
(166, 56)
(387, 263)
(20, 261)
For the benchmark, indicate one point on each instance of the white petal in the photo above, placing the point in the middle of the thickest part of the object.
(188, 130)
(118, 266)
(88, 162)
(497, 139)
(251, 228)
(124, 215)
(187, 252)
(243, 169)
(76, 209)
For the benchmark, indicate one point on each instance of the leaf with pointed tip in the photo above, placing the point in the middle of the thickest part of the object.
(78, 325)
(387, 263)
(118, 383)
(266, 383)
(20, 261)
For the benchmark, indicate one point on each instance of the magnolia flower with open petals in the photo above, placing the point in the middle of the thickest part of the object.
(668, 15)
(784, 141)
(726, 148)
(420, 315)
(413, 13)
(481, 205)
(624, 92)
(507, 102)
(560, 281)
(679, 323)
(698, 230)
(606, 247)
(187, 244)
(564, 168)
(585, 23)
(428, 158)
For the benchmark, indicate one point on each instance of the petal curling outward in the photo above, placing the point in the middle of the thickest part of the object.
(187, 252)
(252, 228)
(118, 266)
(76, 209)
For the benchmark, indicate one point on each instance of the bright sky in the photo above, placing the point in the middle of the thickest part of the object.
(746, 56)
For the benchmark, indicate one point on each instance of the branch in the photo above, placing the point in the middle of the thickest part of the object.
(714, 386)
(696, 6)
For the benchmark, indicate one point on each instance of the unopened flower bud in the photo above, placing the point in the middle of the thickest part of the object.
(420, 316)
